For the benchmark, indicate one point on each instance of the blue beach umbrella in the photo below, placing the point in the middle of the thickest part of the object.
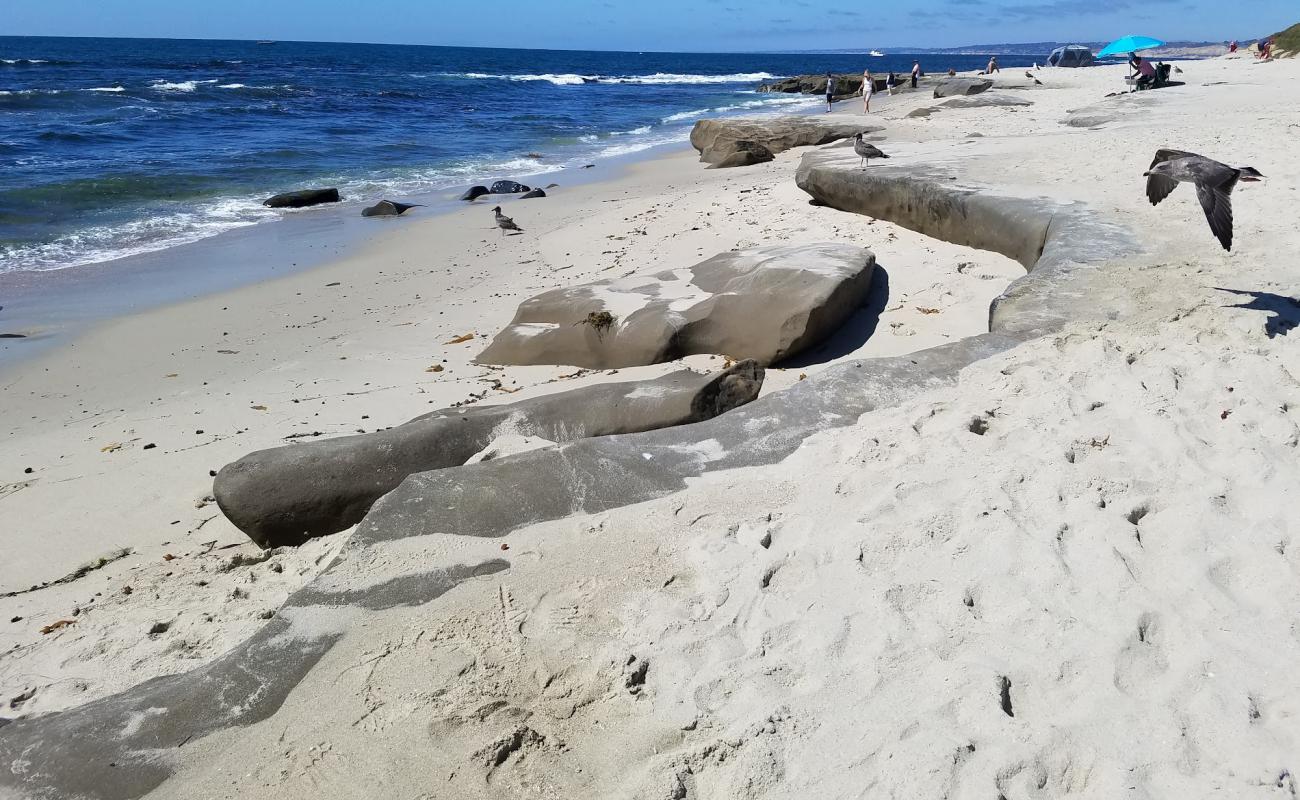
(1129, 44)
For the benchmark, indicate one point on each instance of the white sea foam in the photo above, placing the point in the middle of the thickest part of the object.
(181, 86)
(232, 86)
(23, 61)
(105, 89)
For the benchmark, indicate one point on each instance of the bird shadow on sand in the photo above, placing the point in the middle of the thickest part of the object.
(1283, 311)
(854, 332)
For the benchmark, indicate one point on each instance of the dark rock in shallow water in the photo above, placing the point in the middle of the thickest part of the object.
(532, 194)
(13, 336)
(287, 495)
(302, 198)
(508, 187)
(474, 192)
(957, 87)
(845, 85)
(764, 303)
(387, 208)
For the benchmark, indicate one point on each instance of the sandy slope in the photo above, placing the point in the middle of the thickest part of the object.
(341, 349)
(1073, 573)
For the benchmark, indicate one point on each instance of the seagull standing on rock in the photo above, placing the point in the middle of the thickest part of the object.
(1214, 184)
(1031, 77)
(505, 223)
(866, 150)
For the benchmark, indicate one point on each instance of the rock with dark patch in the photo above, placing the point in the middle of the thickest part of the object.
(737, 141)
(922, 112)
(508, 187)
(286, 495)
(532, 194)
(766, 303)
(743, 154)
(474, 193)
(388, 208)
(302, 198)
(957, 87)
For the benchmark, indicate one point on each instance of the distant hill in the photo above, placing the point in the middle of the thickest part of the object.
(1287, 43)
(1036, 49)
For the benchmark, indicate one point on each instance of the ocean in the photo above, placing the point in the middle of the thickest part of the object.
(117, 147)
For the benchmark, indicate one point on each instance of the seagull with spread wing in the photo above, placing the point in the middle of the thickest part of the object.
(1214, 184)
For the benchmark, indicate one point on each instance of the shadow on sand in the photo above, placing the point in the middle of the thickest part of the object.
(1283, 311)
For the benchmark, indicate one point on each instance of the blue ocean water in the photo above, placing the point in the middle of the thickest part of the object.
(112, 147)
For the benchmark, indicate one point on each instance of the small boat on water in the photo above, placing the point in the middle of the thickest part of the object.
(876, 53)
(267, 41)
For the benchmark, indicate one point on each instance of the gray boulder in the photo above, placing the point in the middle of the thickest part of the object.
(732, 142)
(743, 154)
(286, 495)
(957, 87)
(766, 303)
(302, 198)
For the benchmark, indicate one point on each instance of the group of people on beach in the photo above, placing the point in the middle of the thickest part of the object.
(869, 85)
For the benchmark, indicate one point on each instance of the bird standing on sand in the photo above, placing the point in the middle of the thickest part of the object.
(866, 151)
(1214, 184)
(1031, 77)
(505, 223)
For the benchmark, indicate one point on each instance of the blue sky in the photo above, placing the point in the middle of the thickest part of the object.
(681, 25)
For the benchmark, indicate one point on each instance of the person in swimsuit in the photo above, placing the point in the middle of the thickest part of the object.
(868, 89)
(830, 91)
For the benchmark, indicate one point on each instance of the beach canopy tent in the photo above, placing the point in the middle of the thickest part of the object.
(1129, 44)
(1074, 55)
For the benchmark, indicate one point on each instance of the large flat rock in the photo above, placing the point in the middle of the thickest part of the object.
(286, 495)
(734, 142)
(765, 304)
(958, 87)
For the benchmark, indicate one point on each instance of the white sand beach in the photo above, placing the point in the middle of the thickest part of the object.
(1071, 572)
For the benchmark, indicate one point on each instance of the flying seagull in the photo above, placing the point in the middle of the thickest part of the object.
(1214, 184)
(505, 223)
(866, 151)
(1031, 77)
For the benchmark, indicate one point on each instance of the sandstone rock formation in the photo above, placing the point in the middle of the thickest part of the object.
(739, 141)
(286, 495)
(766, 303)
(955, 87)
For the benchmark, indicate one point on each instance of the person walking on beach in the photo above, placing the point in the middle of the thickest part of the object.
(916, 72)
(830, 91)
(890, 83)
(868, 89)
(993, 66)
